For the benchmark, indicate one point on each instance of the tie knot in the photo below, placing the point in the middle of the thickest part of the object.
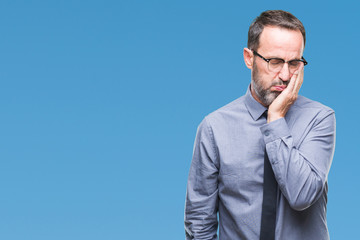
(265, 113)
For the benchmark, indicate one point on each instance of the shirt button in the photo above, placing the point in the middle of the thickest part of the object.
(267, 133)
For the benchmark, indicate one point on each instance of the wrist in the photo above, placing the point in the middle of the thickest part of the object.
(273, 116)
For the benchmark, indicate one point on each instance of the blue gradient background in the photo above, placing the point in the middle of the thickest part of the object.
(100, 101)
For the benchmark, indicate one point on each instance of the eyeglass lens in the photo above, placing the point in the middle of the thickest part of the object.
(275, 65)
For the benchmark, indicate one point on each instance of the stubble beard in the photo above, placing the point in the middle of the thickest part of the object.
(265, 95)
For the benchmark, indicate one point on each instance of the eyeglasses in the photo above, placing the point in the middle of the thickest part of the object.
(276, 64)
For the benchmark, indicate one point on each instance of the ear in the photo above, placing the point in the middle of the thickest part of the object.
(248, 58)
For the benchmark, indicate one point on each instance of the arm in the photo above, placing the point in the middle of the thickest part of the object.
(301, 173)
(201, 204)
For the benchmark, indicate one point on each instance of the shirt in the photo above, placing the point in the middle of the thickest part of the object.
(225, 184)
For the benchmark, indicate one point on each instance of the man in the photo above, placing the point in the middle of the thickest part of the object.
(268, 147)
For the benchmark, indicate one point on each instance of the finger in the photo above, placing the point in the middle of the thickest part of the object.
(297, 78)
(292, 81)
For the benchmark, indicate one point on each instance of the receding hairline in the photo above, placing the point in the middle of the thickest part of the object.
(282, 29)
(273, 18)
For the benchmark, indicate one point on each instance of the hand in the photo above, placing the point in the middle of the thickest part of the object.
(279, 107)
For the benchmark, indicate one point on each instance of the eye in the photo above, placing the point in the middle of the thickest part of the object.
(276, 61)
(294, 63)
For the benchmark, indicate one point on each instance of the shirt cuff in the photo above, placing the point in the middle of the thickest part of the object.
(275, 130)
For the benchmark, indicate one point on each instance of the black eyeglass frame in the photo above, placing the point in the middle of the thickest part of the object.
(269, 59)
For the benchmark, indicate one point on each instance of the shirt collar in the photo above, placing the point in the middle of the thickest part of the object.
(254, 107)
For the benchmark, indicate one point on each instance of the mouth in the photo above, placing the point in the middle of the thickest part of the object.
(278, 88)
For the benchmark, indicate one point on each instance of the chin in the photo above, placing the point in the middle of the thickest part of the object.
(269, 98)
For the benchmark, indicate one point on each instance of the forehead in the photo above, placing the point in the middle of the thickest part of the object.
(276, 40)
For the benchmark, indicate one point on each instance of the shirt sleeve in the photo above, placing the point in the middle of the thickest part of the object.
(201, 204)
(301, 171)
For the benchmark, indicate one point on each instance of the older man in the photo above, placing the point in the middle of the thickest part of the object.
(260, 164)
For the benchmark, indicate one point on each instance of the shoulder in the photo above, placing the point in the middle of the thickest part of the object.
(313, 109)
(228, 112)
(304, 103)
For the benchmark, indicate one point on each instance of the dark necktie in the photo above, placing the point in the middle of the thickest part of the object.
(268, 215)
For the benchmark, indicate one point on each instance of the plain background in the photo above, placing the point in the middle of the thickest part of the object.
(100, 101)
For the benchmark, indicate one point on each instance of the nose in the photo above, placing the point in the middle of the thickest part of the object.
(284, 73)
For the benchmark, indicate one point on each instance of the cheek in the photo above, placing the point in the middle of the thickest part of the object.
(264, 78)
(267, 80)
(272, 78)
(267, 77)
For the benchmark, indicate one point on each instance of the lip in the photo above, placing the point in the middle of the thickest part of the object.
(279, 88)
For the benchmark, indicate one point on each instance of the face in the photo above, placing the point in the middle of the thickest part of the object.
(274, 42)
